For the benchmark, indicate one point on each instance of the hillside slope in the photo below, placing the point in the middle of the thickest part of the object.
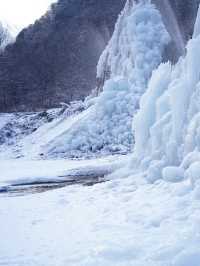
(55, 59)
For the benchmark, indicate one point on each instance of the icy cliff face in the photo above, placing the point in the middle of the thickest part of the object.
(178, 17)
(134, 51)
(167, 127)
(136, 46)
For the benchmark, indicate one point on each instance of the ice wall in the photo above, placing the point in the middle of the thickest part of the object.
(167, 127)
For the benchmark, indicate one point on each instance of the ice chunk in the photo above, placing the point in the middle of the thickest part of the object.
(173, 174)
(193, 172)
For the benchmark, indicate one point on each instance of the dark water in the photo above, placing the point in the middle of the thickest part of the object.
(24, 189)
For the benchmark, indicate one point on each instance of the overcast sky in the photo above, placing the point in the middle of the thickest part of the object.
(23, 12)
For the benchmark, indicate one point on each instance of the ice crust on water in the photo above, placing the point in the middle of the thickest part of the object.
(133, 52)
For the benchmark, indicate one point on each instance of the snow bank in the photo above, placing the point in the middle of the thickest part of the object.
(167, 127)
(134, 51)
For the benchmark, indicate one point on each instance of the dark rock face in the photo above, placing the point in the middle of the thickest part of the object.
(55, 59)
(179, 17)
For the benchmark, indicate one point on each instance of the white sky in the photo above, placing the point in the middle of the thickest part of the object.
(23, 12)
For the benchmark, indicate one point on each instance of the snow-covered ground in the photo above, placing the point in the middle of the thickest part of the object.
(123, 222)
(28, 135)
